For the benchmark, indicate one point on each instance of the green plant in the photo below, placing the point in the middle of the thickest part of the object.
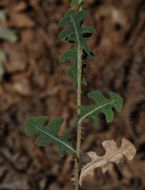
(77, 34)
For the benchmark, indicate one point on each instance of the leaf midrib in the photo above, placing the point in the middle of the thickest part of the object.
(94, 110)
(76, 31)
(57, 140)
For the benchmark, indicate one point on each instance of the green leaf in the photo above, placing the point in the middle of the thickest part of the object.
(34, 124)
(67, 55)
(78, 34)
(48, 133)
(102, 105)
(76, 2)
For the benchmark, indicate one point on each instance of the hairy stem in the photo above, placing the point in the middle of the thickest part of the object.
(79, 89)
(77, 162)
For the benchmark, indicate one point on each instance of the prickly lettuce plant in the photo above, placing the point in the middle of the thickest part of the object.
(77, 34)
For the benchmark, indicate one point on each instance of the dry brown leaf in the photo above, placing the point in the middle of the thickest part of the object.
(21, 20)
(113, 154)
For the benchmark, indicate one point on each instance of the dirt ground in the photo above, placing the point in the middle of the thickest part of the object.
(34, 83)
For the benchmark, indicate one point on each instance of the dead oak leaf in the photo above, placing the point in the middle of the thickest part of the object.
(114, 154)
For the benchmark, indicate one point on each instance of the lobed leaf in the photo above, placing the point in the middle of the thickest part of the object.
(77, 34)
(113, 154)
(102, 105)
(48, 133)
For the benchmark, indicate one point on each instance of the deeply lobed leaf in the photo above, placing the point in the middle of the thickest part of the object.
(113, 154)
(48, 133)
(102, 105)
(77, 34)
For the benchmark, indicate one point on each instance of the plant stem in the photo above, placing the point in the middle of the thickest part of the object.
(77, 161)
(79, 89)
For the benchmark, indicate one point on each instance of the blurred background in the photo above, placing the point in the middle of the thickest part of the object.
(33, 82)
